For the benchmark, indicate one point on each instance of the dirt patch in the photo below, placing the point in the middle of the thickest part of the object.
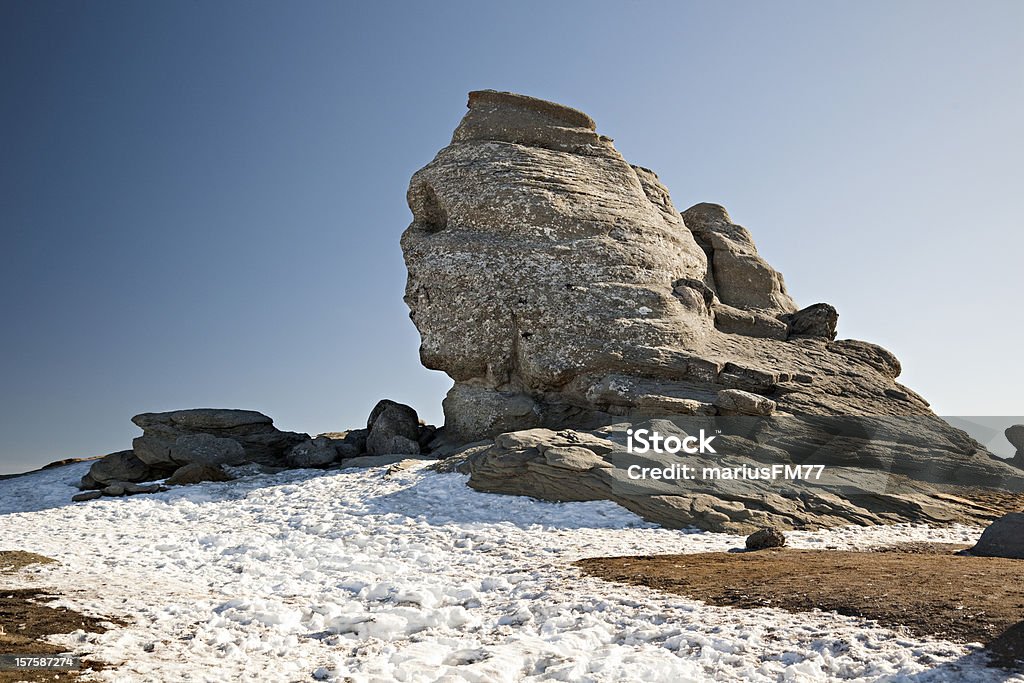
(928, 589)
(14, 560)
(26, 620)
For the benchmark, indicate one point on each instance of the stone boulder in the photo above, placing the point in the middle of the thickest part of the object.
(127, 488)
(1003, 538)
(1015, 435)
(394, 428)
(211, 436)
(765, 538)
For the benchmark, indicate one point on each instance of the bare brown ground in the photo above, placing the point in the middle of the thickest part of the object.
(26, 620)
(928, 589)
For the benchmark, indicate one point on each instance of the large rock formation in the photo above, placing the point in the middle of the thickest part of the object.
(558, 286)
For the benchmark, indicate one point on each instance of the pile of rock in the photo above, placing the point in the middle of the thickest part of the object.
(192, 446)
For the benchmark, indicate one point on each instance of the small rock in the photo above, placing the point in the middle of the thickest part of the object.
(196, 473)
(86, 495)
(114, 490)
(1003, 538)
(766, 538)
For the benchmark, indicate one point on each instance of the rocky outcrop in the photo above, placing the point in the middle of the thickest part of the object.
(116, 489)
(562, 291)
(736, 273)
(205, 436)
(193, 445)
(211, 436)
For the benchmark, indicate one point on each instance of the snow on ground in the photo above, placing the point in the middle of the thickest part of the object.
(357, 575)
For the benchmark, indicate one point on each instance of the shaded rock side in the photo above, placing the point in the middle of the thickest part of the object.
(558, 286)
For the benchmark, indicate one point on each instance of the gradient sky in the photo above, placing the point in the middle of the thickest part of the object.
(201, 202)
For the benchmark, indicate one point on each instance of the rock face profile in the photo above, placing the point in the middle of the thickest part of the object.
(563, 292)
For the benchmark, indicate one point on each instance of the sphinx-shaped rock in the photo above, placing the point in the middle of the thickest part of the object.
(559, 287)
(562, 291)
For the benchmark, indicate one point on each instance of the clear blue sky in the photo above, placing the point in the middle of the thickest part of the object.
(201, 202)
